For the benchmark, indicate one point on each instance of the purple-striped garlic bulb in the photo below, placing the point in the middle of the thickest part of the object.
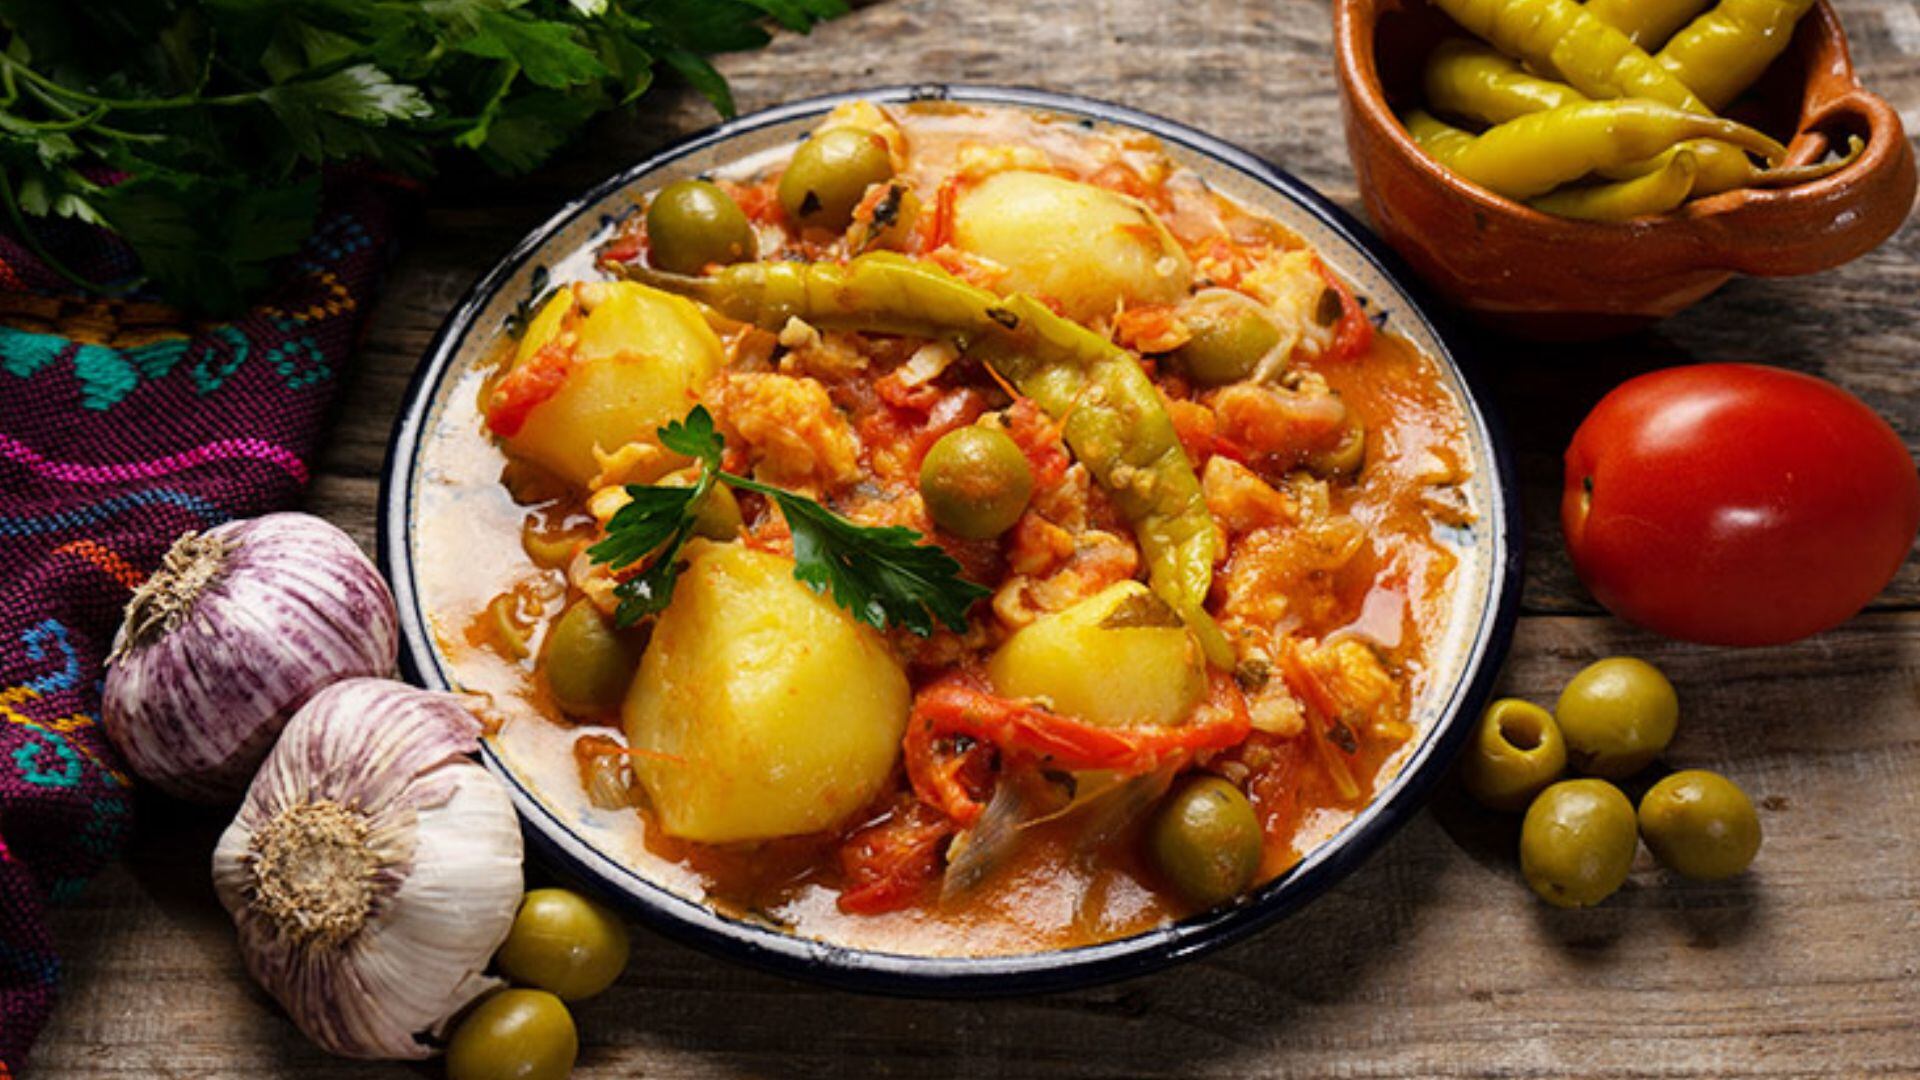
(236, 630)
(374, 868)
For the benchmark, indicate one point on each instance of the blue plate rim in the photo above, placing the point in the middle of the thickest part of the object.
(769, 948)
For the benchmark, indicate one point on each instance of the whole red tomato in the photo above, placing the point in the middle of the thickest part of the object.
(1733, 504)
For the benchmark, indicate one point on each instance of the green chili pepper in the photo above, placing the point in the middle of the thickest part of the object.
(1534, 154)
(1647, 23)
(1118, 427)
(1721, 53)
(882, 292)
(1623, 200)
(1114, 420)
(1563, 37)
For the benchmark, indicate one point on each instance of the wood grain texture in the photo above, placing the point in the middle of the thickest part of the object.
(1432, 960)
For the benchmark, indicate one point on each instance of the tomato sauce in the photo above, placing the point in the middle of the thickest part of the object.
(1335, 579)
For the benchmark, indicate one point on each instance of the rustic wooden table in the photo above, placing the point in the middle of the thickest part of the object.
(1431, 960)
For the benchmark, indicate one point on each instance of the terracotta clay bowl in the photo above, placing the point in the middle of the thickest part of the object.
(1526, 272)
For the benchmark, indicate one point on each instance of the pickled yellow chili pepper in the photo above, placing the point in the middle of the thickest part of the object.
(1720, 54)
(1623, 200)
(1533, 155)
(1438, 138)
(1114, 420)
(1470, 80)
(1467, 79)
(1562, 37)
(1647, 23)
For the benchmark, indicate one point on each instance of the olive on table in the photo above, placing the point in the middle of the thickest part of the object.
(1699, 824)
(830, 174)
(588, 663)
(975, 482)
(1617, 715)
(1206, 841)
(1577, 843)
(1516, 752)
(1229, 340)
(564, 943)
(692, 224)
(514, 1035)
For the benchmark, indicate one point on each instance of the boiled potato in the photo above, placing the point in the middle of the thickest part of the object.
(1084, 246)
(769, 711)
(1120, 658)
(639, 357)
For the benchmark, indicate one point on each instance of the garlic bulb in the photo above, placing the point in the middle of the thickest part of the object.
(238, 627)
(373, 869)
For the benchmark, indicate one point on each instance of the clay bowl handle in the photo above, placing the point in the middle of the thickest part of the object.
(1819, 225)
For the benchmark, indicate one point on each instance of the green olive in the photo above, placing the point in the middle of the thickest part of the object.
(1516, 751)
(692, 224)
(1229, 340)
(1205, 840)
(1699, 824)
(830, 174)
(587, 662)
(1617, 715)
(718, 515)
(975, 482)
(1577, 842)
(1346, 456)
(514, 1035)
(564, 943)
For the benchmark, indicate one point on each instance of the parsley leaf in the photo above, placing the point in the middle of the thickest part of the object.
(218, 113)
(649, 520)
(361, 92)
(695, 437)
(884, 575)
(547, 52)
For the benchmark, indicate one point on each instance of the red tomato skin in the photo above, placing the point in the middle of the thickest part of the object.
(1735, 504)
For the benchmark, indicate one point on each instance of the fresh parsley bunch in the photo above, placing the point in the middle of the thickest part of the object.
(885, 575)
(194, 128)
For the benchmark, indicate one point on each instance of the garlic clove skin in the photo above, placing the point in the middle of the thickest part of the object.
(374, 868)
(238, 627)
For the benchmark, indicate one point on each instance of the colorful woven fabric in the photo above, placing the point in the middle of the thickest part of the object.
(120, 428)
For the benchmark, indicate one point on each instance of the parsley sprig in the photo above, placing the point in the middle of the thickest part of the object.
(210, 117)
(884, 575)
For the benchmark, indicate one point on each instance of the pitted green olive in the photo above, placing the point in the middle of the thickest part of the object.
(1516, 752)
(588, 663)
(692, 224)
(1229, 340)
(514, 1035)
(1577, 843)
(1206, 841)
(1700, 825)
(975, 482)
(830, 173)
(564, 943)
(1617, 715)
